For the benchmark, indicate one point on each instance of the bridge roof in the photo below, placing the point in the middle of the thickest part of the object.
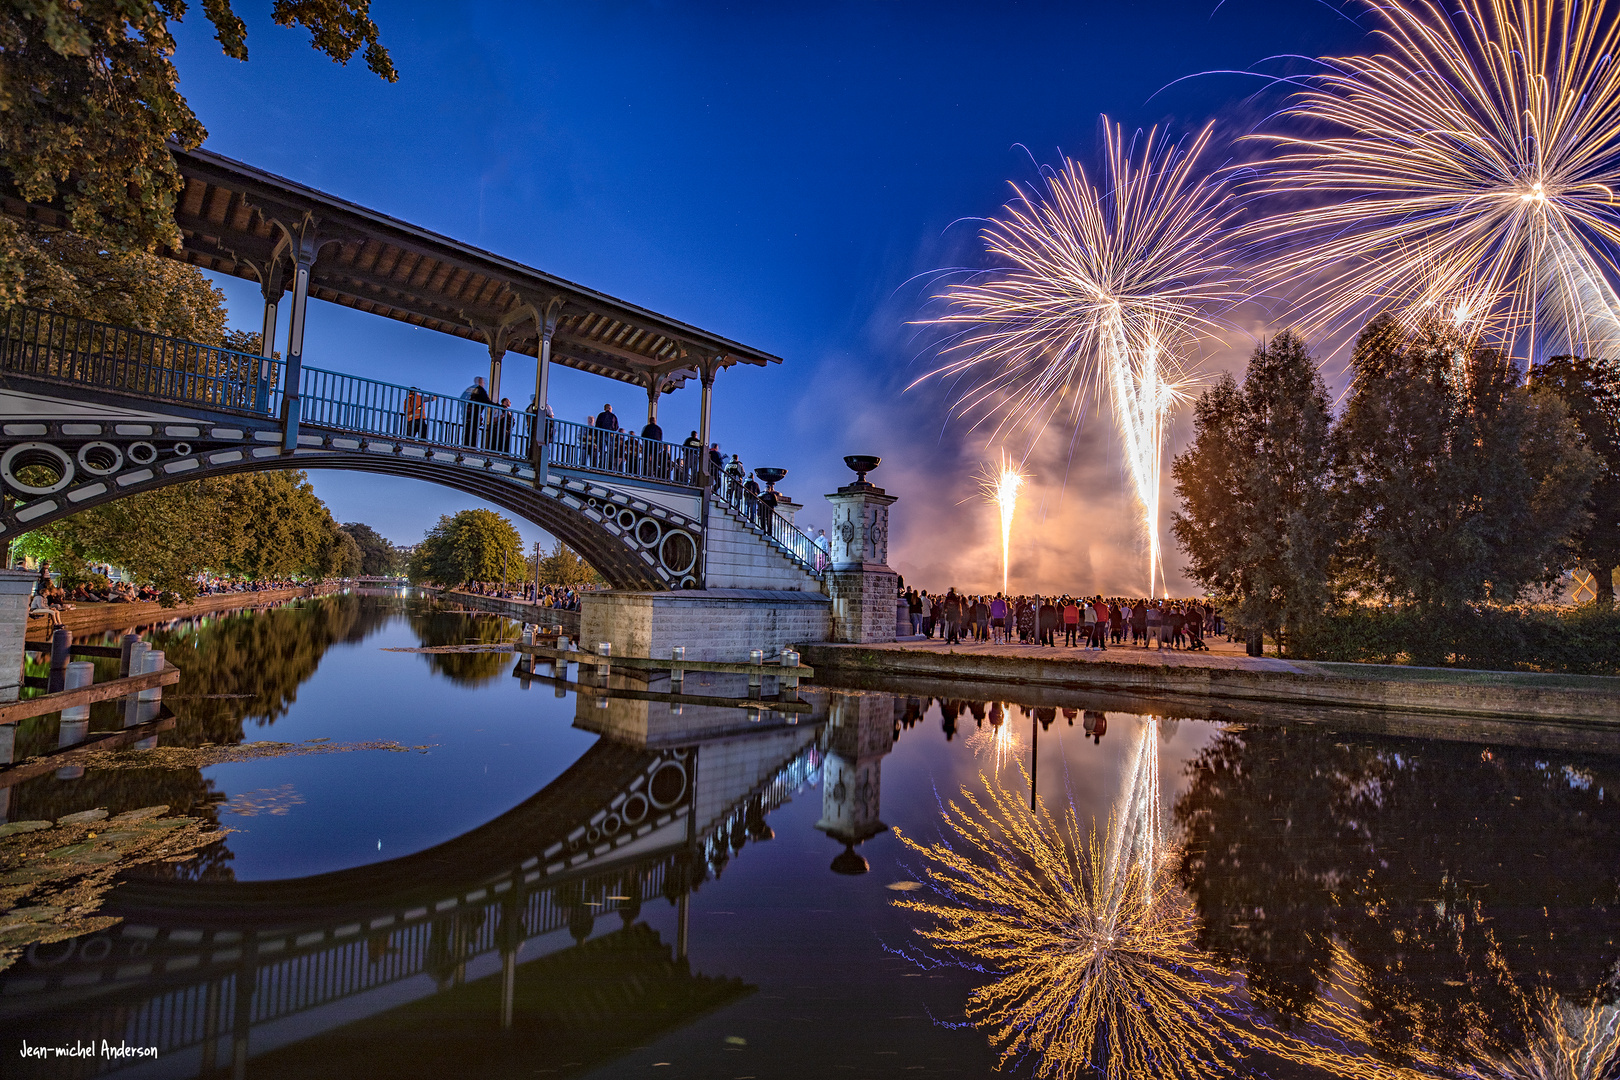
(228, 214)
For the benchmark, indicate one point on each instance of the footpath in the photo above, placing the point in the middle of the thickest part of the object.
(1226, 672)
(97, 618)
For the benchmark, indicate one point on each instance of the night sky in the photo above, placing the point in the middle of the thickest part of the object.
(790, 179)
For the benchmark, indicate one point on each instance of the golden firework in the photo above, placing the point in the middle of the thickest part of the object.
(1106, 291)
(1092, 954)
(1001, 487)
(1465, 171)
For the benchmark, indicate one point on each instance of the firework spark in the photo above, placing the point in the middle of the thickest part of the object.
(1106, 291)
(1093, 952)
(1466, 171)
(1002, 487)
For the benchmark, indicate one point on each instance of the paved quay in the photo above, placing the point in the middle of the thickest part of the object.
(1227, 672)
(97, 618)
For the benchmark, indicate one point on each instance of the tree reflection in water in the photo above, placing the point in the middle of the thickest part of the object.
(436, 627)
(237, 669)
(1412, 908)
(1091, 949)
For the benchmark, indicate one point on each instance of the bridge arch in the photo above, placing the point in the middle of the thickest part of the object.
(641, 536)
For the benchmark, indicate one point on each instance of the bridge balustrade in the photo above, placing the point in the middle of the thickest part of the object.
(53, 346)
(778, 529)
(368, 406)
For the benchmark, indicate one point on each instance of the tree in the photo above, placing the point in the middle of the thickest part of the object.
(1591, 390)
(564, 567)
(377, 555)
(1459, 484)
(256, 525)
(1256, 515)
(68, 273)
(89, 99)
(472, 545)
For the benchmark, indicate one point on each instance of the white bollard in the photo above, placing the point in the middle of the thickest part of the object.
(677, 675)
(755, 657)
(75, 723)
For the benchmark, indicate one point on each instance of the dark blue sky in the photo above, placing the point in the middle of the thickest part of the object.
(779, 176)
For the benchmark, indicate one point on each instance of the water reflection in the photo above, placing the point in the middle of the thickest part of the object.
(1091, 949)
(1443, 908)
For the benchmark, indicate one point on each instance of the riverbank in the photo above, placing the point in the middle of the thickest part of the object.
(1232, 675)
(519, 610)
(98, 618)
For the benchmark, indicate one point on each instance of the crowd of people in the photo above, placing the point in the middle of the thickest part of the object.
(1094, 622)
(561, 597)
(104, 586)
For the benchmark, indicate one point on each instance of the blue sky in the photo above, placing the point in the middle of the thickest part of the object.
(786, 176)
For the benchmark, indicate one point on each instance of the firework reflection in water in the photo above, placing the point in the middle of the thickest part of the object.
(999, 742)
(1091, 948)
(1466, 171)
(1107, 290)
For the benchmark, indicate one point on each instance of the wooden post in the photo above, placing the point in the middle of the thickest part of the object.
(61, 641)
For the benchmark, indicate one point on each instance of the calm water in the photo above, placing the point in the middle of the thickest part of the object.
(710, 891)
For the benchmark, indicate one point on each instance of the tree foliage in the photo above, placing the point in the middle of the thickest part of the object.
(563, 566)
(265, 526)
(1591, 390)
(377, 556)
(71, 274)
(1256, 519)
(89, 98)
(1458, 483)
(472, 545)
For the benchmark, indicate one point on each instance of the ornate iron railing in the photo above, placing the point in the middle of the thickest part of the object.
(49, 345)
(55, 347)
(776, 527)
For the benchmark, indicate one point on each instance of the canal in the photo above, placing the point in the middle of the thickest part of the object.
(444, 862)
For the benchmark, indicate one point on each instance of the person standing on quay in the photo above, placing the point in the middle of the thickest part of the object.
(1155, 626)
(998, 620)
(1071, 622)
(953, 617)
(1139, 623)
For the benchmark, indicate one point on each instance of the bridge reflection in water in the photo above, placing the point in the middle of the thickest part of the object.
(405, 967)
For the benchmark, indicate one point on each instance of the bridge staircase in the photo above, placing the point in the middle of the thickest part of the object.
(744, 554)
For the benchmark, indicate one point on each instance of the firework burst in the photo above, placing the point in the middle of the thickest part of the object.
(1105, 292)
(1465, 172)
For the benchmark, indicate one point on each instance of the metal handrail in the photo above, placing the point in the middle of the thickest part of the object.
(777, 528)
(50, 345)
(342, 402)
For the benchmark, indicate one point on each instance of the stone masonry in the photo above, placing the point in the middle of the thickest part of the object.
(738, 557)
(862, 587)
(713, 624)
(16, 588)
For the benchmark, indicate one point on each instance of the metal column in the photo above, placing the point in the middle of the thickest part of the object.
(547, 324)
(295, 350)
(271, 290)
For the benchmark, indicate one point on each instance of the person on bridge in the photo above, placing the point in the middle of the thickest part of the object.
(606, 421)
(653, 431)
(750, 494)
(477, 399)
(500, 428)
(767, 509)
(416, 425)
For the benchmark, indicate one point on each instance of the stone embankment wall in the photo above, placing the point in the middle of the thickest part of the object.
(1381, 687)
(713, 624)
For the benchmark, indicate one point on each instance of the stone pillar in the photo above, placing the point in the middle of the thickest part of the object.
(16, 588)
(862, 587)
(859, 733)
